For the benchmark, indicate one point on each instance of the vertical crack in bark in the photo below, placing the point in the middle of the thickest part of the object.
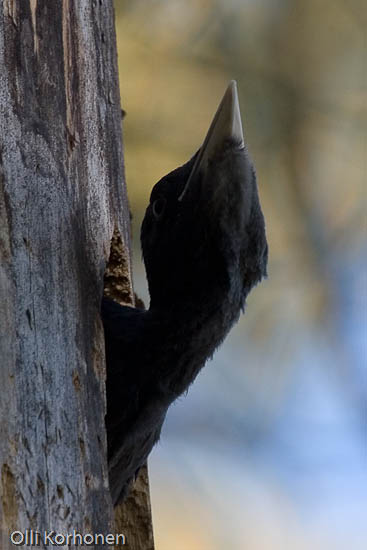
(11, 10)
(66, 42)
(33, 6)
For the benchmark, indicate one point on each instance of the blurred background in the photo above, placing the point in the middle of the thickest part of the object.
(268, 450)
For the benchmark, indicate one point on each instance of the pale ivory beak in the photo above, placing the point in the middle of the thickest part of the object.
(226, 125)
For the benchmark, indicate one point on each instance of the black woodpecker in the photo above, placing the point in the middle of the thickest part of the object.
(204, 248)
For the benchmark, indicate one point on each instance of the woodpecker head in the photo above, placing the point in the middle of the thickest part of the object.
(203, 234)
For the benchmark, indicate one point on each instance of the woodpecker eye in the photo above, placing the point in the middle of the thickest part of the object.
(159, 206)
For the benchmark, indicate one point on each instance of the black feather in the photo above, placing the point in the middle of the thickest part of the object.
(203, 253)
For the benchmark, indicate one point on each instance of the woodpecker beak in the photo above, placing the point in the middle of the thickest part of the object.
(226, 125)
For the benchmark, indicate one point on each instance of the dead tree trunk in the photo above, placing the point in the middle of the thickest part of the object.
(61, 197)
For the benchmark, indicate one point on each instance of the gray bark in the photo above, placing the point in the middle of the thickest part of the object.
(61, 196)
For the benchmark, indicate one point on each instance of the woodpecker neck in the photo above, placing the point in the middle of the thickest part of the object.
(191, 333)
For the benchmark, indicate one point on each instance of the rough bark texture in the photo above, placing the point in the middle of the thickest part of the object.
(61, 196)
(136, 512)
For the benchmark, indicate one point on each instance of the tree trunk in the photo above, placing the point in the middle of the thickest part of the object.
(61, 197)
